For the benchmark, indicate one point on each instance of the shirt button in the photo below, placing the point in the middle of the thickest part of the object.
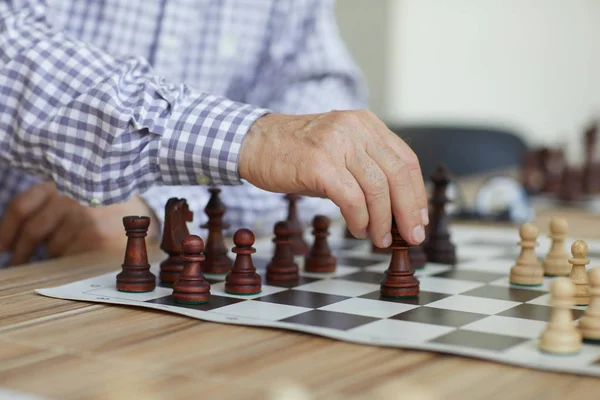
(171, 42)
(228, 47)
(95, 202)
(202, 180)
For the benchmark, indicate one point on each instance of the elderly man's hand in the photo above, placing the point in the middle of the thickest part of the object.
(350, 157)
(41, 216)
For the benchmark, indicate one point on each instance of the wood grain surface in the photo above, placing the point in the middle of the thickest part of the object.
(76, 350)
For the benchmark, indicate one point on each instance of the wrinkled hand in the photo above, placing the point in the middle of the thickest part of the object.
(350, 157)
(41, 216)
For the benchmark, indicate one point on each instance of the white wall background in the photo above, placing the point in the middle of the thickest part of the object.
(530, 64)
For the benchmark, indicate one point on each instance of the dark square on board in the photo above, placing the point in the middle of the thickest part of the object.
(330, 319)
(505, 293)
(468, 275)
(358, 262)
(214, 302)
(535, 312)
(302, 298)
(436, 316)
(479, 340)
(363, 276)
(422, 299)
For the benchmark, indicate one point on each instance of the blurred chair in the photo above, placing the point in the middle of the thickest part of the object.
(484, 162)
(465, 150)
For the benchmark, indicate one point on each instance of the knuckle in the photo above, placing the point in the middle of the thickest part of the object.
(32, 234)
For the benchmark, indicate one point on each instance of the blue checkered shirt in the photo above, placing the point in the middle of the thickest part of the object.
(120, 97)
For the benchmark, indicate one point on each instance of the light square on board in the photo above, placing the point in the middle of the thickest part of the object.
(115, 294)
(261, 310)
(479, 340)
(438, 316)
(405, 331)
(339, 287)
(478, 305)
(544, 300)
(219, 290)
(495, 265)
(478, 252)
(445, 285)
(530, 352)
(329, 319)
(369, 308)
(519, 327)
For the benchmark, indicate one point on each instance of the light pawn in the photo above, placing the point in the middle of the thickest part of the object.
(527, 271)
(561, 336)
(589, 323)
(556, 262)
(579, 276)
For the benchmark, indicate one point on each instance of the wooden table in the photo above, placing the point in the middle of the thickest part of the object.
(77, 350)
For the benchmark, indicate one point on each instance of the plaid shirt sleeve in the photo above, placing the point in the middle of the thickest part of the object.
(307, 70)
(103, 127)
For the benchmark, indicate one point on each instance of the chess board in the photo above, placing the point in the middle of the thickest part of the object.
(468, 310)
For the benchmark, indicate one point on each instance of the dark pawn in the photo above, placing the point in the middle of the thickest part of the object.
(438, 246)
(299, 246)
(243, 278)
(399, 280)
(136, 276)
(571, 186)
(192, 287)
(320, 258)
(216, 259)
(177, 214)
(282, 266)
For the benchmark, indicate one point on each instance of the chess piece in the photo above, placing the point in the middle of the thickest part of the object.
(589, 323)
(571, 187)
(216, 259)
(561, 336)
(578, 275)
(192, 287)
(438, 247)
(243, 278)
(557, 260)
(299, 246)
(590, 178)
(527, 271)
(136, 276)
(399, 280)
(282, 267)
(177, 214)
(532, 177)
(320, 258)
(552, 164)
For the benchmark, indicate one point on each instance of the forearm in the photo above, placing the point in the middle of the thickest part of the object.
(101, 127)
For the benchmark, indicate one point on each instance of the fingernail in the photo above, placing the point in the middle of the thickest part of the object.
(418, 234)
(387, 240)
(424, 216)
(363, 234)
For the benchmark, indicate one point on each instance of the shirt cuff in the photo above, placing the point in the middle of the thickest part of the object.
(202, 143)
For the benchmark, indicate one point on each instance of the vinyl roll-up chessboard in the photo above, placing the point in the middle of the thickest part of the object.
(469, 309)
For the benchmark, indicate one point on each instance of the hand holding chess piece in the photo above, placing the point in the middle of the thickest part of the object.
(527, 271)
(561, 336)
